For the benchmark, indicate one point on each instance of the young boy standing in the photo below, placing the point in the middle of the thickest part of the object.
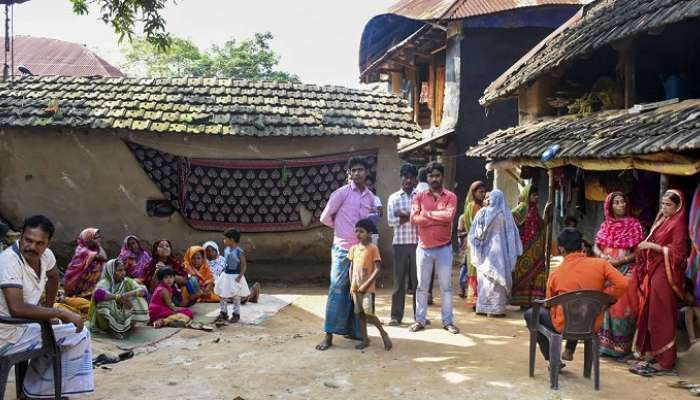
(365, 266)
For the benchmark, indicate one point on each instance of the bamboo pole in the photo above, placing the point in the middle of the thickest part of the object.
(548, 216)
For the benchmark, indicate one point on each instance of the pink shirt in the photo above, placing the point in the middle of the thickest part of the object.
(345, 207)
(433, 215)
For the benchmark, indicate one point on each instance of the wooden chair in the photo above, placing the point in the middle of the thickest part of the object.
(581, 309)
(20, 360)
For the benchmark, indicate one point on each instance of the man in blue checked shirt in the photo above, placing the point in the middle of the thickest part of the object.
(405, 242)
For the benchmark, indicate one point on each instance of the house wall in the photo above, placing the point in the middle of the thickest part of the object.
(82, 179)
(486, 53)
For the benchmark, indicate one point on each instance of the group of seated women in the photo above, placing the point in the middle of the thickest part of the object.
(137, 286)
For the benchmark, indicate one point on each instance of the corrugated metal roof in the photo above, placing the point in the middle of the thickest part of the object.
(605, 134)
(428, 10)
(45, 56)
(422, 9)
(600, 24)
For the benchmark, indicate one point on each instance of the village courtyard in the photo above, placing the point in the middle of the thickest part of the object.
(276, 359)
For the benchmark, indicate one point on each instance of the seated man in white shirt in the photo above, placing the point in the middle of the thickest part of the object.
(27, 268)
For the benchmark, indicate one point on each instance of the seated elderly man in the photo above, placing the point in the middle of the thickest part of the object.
(576, 272)
(27, 268)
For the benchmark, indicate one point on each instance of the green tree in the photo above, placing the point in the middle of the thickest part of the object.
(124, 15)
(246, 59)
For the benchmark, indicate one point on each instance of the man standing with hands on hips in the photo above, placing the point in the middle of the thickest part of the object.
(432, 212)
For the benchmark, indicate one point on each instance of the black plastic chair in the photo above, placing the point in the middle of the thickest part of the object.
(20, 360)
(581, 309)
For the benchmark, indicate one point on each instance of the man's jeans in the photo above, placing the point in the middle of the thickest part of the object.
(441, 259)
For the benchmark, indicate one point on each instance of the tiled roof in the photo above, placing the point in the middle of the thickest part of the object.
(44, 56)
(601, 24)
(203, 106)
(602, 135)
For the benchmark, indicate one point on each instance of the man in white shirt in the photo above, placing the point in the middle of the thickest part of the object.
(27, 268)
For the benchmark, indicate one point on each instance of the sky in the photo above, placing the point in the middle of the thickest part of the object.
(316, 39)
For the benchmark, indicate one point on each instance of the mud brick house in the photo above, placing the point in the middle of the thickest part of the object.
(186, 158)
(439, 55)
(614, 94)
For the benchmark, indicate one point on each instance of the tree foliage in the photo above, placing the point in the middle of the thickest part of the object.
(124, 15)
(246, 59)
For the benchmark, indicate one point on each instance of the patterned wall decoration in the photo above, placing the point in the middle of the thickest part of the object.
(252, 195)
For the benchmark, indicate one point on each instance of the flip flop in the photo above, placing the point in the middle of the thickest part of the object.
(683, 385)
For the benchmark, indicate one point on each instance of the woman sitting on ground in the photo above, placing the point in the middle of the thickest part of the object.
(200, 284)
(85, 269)
(162, 311)
(118, 302)
(162, 256)
(216, 261)
(134, 257)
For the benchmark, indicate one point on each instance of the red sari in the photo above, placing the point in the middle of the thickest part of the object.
(660, 279)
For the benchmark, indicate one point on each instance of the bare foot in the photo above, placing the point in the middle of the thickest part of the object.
(158, 324)
(387, 342)
(325, 343)
(363, 344)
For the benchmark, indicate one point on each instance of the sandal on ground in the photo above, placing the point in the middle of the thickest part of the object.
(416, 327)
(199, 326)
(683, 385)
(496, 315)
(394, 322)
(234, 318)
(695, 391)
(451, 328)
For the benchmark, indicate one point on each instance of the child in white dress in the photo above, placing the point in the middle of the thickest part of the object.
(231, 284)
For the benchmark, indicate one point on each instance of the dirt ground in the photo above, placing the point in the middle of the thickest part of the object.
(277, 360)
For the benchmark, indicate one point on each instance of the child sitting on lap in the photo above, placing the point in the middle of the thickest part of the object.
(231, 284)
(161, 311)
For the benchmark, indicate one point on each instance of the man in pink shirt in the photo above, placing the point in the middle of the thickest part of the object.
(345, 207)
(433, 211)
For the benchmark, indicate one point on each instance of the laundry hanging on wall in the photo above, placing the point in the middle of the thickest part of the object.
(252, 195)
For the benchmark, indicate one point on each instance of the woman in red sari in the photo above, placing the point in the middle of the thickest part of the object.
(616, 242)
(661, 262)
(85, 268)
(162, 256)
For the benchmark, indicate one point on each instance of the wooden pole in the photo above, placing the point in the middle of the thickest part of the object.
(663, 185)
(548, 216)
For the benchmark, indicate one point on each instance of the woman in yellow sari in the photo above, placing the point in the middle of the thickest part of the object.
(467, 273)
(200, 282)
(530, 276)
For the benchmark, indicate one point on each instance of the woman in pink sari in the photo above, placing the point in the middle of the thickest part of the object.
(616, 241)
(135, 257)
(661, 262)
(85, 269)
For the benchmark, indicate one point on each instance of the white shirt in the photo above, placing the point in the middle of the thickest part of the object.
(15, 272)
(422, 186)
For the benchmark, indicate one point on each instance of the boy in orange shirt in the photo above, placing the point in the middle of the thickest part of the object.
(365, 265)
